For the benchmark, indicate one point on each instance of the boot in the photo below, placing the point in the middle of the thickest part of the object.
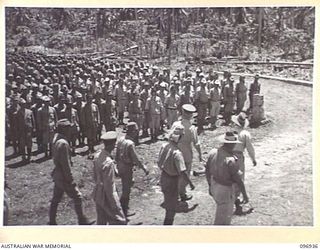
(168, 222)
(29, 154)
(169, 218)
(53, 214)
(45, 151)
(238, 208)
(82, 219)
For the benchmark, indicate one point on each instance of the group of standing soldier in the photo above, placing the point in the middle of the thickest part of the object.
(92, 96)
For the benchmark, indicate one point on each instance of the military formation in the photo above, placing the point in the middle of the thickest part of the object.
(56, 104)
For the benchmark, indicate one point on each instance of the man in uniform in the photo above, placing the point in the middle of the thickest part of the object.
(222, 174)
(171, 105)
(171, 162)
(47, 124)
(185, 145)
(186, 97)
(136, 110)
(35, 109)
(60, 106)
(228, 99)
(215, 99)
(110, 119)
(241, 94)
(78, 106)
(154, 109)
(121, 99)
(244, 137)
(201, 100)
(62, 175)
(26, 125)
(13, 122)
(91, 118)
(254, 89)
(72, 115)
(126, 158)
(144, 95)
(101, 103)
(105, 194)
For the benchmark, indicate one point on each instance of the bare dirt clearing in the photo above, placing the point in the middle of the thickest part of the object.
(279, 187)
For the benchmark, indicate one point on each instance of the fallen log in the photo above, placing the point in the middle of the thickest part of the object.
(205, 61)
(287, 80)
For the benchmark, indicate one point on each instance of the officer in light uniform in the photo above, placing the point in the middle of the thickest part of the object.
(171, 105)
(245, 138)
(215, 99)
(189, 138)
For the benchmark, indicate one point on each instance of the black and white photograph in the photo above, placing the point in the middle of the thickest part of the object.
(159, 116)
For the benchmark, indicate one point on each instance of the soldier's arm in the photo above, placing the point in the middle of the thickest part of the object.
(108, 180)
(98, 116)
(250, 148)
(196, 143)
(181, 167)
(235, 175)
(135, 159)
(65, 162)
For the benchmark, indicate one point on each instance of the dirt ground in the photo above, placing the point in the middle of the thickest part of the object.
(279, 187)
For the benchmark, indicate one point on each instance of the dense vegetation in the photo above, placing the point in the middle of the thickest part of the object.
(277, 32)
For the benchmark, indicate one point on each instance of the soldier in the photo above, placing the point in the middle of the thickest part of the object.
(225, 81)
(171, 106)
(201, 100)
(78, 106)
(60, 106)
(35, 109)
(110, 118)
(154, 109)
(126, 158)
(56, 93)
(186, 97)
(91, 118)
(171, 162)
(101, 103)
(241, 94)
(162, 93)
(12, 118)
(105, 194)
(47, 124)
(136, 110)
(222, 173)
(72, 115)
(254, 89)
(228, 99)
(185, 145)
(121, 100)
(62, 175)
(244, 137)
(26, 125)
(215, 99)
(144, 95)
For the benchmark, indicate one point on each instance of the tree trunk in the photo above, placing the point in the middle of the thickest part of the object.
(260, 28)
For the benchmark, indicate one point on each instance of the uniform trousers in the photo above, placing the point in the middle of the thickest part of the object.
(224, 196)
